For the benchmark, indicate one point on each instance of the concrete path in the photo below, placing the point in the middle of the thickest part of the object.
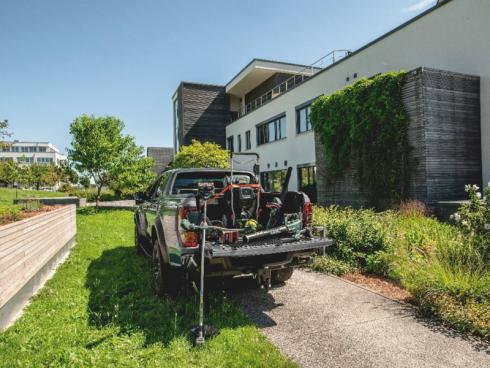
(322, 321)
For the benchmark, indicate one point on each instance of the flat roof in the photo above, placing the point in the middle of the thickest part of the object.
(259, 70)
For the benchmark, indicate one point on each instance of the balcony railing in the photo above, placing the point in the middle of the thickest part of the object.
(292, 82)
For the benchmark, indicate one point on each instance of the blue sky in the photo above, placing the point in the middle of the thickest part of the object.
(62, 58)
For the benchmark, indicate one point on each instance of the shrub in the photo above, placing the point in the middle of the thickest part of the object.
(413, 208)
(440, 264)
(9, 214)
(199, 154)
(473, 218)
(331, 265)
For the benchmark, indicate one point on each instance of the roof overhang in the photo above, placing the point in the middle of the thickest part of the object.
(258, 71)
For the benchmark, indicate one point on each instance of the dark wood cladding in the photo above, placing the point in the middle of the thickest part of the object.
(204, 113)
(444, 136)
(266, 86)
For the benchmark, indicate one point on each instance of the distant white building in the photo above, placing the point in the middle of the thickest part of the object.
(32, 152)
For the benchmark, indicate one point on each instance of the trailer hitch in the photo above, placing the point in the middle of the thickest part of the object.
(264, 278)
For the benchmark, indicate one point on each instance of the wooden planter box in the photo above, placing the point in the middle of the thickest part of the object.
(30, 250)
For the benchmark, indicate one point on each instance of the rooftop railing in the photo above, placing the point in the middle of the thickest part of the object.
(292, 82)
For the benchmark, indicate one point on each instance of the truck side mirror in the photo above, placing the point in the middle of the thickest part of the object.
(139, 197)
(256, 169)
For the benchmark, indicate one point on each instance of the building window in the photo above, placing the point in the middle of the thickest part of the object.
(15, 149)
(44, 160)
(24, 149)
(271, 131)
(41, 149)
(239, 142)
(307, 181)
(303, 123)
(25, 160)
(248, 141)
(32, 149)
(272, 181)
(229, 144)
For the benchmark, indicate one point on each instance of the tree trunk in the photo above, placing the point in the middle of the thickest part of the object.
(97, 198)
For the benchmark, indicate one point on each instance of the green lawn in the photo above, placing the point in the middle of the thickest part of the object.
(8, 195)
(99, 310)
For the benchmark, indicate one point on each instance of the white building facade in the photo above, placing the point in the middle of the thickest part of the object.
(453, 36)
(32, 152)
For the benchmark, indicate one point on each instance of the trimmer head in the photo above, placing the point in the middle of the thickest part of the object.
(199, 339)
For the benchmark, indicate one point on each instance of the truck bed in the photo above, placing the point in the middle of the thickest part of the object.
(268, 246)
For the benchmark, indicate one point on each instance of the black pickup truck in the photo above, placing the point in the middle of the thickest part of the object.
(250, 231)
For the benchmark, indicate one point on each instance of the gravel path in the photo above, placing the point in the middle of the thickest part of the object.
(323, 321)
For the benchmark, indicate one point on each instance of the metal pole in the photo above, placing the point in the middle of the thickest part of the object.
(200, 339)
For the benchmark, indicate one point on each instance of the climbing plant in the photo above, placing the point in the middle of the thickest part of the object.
(364, 127)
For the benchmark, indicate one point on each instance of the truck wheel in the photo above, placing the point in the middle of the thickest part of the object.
(280, 276)
(162, 274)
(137, 242)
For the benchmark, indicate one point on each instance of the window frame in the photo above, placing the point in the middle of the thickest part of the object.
(248, 140)
(231, 139)
(263, 129)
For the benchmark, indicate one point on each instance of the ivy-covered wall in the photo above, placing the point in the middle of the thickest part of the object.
(364, 127)
(417, 138)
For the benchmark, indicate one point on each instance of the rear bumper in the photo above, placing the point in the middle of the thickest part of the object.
(266, 247)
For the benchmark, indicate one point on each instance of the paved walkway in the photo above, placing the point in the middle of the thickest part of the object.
(322, 321)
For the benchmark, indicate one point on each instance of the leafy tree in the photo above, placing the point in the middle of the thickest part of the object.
(4, 132)
(84, 181)
(38, 175)
(101, 151)
(68, 174)
(9, 172)
(136, 173)
(199, 154)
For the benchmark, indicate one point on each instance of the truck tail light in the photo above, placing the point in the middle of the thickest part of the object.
(307, 214)
(190, 239)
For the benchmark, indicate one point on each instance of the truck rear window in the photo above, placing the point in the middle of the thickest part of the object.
(187, 182)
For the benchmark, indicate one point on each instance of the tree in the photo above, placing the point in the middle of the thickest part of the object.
(100, 150)
(39, 175)
(9, 172)
(136, 173)
(84, 181)
(4, 132)
(67, 173)
(200, 154)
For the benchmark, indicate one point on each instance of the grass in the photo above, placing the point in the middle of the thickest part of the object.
(7, 195)
(99, 311)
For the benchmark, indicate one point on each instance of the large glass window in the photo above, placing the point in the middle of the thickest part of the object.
(272, 181)
(303, 123)
(239, 142)
(229, 144)
(271, 131)
(32, 149)
(307, 181)
(42, 149)
(248, 142)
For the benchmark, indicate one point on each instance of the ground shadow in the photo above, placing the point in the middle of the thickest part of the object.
(119, 283)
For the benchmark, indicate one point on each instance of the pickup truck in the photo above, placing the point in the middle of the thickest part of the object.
(250, 231)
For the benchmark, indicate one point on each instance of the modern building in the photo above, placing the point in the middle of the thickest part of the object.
(269, 101)
(162, 156)
(32, 152)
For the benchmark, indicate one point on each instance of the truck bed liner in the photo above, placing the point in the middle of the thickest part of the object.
(284, 245)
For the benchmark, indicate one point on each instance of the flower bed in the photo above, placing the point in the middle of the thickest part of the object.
(446, 268)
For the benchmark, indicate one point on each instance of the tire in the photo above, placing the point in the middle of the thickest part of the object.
(137, 242)
(164, 281)
(282, 275)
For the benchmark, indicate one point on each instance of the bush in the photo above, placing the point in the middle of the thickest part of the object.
(473, 219)
(199, 154)
(9, 214)
(440, 264)
(331, 265)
